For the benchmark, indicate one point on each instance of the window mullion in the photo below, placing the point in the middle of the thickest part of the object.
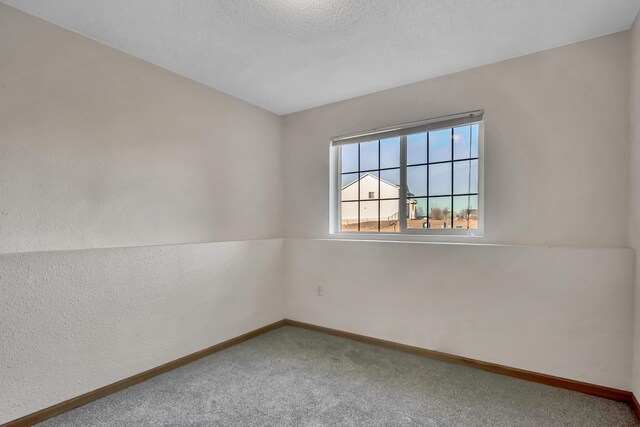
(428, 172)
(358, 177)
(379, 177)
(452, 174)
(337, 225)
(402, 208)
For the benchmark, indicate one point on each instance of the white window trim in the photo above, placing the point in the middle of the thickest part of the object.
(434, 234)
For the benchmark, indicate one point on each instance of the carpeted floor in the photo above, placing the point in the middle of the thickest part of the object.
(295, 377)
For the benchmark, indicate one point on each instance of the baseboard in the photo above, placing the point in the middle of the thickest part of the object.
(592, 389)
(635, 406)
(67, 405)
(595, 390)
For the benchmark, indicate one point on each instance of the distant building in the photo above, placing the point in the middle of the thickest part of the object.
(370, 187)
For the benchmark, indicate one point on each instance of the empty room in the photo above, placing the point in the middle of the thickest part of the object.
(320, 213)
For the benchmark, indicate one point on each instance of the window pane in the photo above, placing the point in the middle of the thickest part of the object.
(389, 221)
(439, 179)
(440, 212)
(474, 140)
(440, 145)
(369, 184)
(465, 211)
(349, 216)
(417, 181)
(348, 178)
(349, 187)
(390, 184)
(465, 177)
(390, 153)
(462, 142)
(417, 148)
(369, 155)
(369, 216)
(349, 157)
(417, 213)
(392, 176)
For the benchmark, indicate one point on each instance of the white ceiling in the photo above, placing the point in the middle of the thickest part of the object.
(289, 55)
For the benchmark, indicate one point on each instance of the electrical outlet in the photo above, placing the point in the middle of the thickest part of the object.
(320, 290)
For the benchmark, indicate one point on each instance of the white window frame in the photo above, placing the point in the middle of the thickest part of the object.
(462, 119)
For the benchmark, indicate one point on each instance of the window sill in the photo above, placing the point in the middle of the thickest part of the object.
(408, 237)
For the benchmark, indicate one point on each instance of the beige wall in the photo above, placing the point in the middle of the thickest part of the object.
(556, 144)
(560, 311)
(75, 321)
(99, 149)
(553, 293)
(634, 218)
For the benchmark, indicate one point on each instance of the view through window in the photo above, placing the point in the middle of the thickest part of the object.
(419, 181)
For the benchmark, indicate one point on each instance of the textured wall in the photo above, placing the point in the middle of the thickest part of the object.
(634, 194)
(99, 149)
(556, 297)
(74, 321)
(556, 144)
(560, 311)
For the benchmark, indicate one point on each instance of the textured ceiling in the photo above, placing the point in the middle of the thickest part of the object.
(289, 55)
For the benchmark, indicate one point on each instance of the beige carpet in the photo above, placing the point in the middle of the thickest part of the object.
(295, 377)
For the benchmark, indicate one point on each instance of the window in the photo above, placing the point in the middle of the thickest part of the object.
(422, 177)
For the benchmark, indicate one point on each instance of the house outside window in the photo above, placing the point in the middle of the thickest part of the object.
(419, 178)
